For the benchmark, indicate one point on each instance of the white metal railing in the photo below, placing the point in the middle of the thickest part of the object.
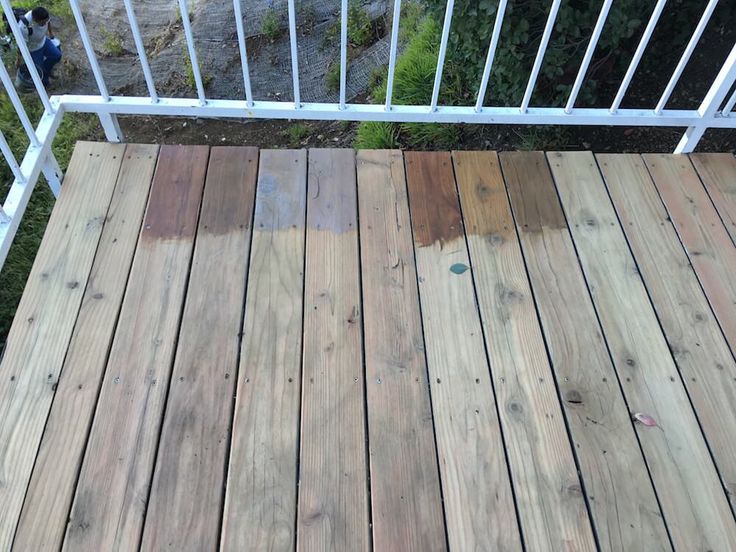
(712, 113)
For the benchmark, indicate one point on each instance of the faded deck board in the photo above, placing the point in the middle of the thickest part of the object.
(49, 496)
(114, 481)
(695, 339)
(45, 319)
(333, 490)
(708, 245)
(286, 350)
(548, 492)
(260, 504)
(405, 486)
(691, 496)
(479, 503)
(622, 502)
(718, 173)
(189, 478)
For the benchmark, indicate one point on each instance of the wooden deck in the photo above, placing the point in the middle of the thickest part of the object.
(337, 351)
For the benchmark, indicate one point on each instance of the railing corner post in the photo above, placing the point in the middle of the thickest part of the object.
(110, 125)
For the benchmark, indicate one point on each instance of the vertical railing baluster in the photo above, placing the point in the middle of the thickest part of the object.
(10, 159)
(243, 52)
(294, 58)
(26, 54)
(729, 105)
(18, 105)
(588, 55)
(637, 55)
(392, 54)
(686, 56)
(540, 55)
(140, 48)
(343, 52)
(187, 24)
(441, 57)
(91, 56)
(500, 11)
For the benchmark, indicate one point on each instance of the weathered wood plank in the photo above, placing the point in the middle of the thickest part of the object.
(548, 490)
(333, 494)
(188, 483)
(111, 495)
(691, 330)
(690, 492)
(45, 318)
(701, 231)
(405, 486)
(479, 504)
(260, 500)
(718, 173)
(50, 493)
(622, 501)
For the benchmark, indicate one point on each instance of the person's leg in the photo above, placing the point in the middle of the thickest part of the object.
(52, 55)
(38, 59)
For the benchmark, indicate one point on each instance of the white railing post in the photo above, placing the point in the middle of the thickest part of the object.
(27, 58)
(10, 159)
(140, 48)
(500, 11)
(710, 105)
(588, 55)
(243, 52)
(53, 174)
(294, 57)
(549, 26)
(189, 36)
(343, 51)
(18, 105)
(441, 57)
(392, 54)
(686, 56)
(729, 105)
(4, 218)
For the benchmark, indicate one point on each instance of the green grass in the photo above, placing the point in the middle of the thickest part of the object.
(271, 25)
(296, 133)
(332, 77)
(112, 43)
(189, 72)
(377, 135)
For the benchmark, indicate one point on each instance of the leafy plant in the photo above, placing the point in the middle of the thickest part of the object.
(360, 28)
(112, 43)
(271, 24)
(296, 133)
(332, 77)
(377, 135)
(191, 81)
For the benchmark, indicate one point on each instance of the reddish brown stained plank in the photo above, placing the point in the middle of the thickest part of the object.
(479, 504)
(693, 334)
(111, 495)
(548, 493)
(333, 494)
(701, 231)
(438, 217)
(45, 319)
(188, 483)
(50, 493)
(624, 507)
(260, 501)
(718, 173)
(405, 487)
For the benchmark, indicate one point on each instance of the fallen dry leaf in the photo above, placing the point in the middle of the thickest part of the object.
(645, 419)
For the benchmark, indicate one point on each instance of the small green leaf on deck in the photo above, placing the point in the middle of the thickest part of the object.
(459, 268)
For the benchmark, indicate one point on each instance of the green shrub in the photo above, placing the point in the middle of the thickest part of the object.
(271, 25)
(377, 135)
(360, 28)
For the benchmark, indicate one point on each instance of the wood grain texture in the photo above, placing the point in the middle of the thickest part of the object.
(718, 173)
(692, 332)
(50, 493)
(110, 501)
(622, 502)
(479, 504)
(405, 486)
(549, 493)
(690, 492)
(260, 500)
(184, 508)
(45, 318)
(701, 232)
(333, 494)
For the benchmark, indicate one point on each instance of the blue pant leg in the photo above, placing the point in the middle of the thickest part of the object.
(52, 55)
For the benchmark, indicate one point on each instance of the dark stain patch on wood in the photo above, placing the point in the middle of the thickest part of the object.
(332, 190)
(231, 176)
(532, 190)
(176, 193)
(280, 200)
(435, 207)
